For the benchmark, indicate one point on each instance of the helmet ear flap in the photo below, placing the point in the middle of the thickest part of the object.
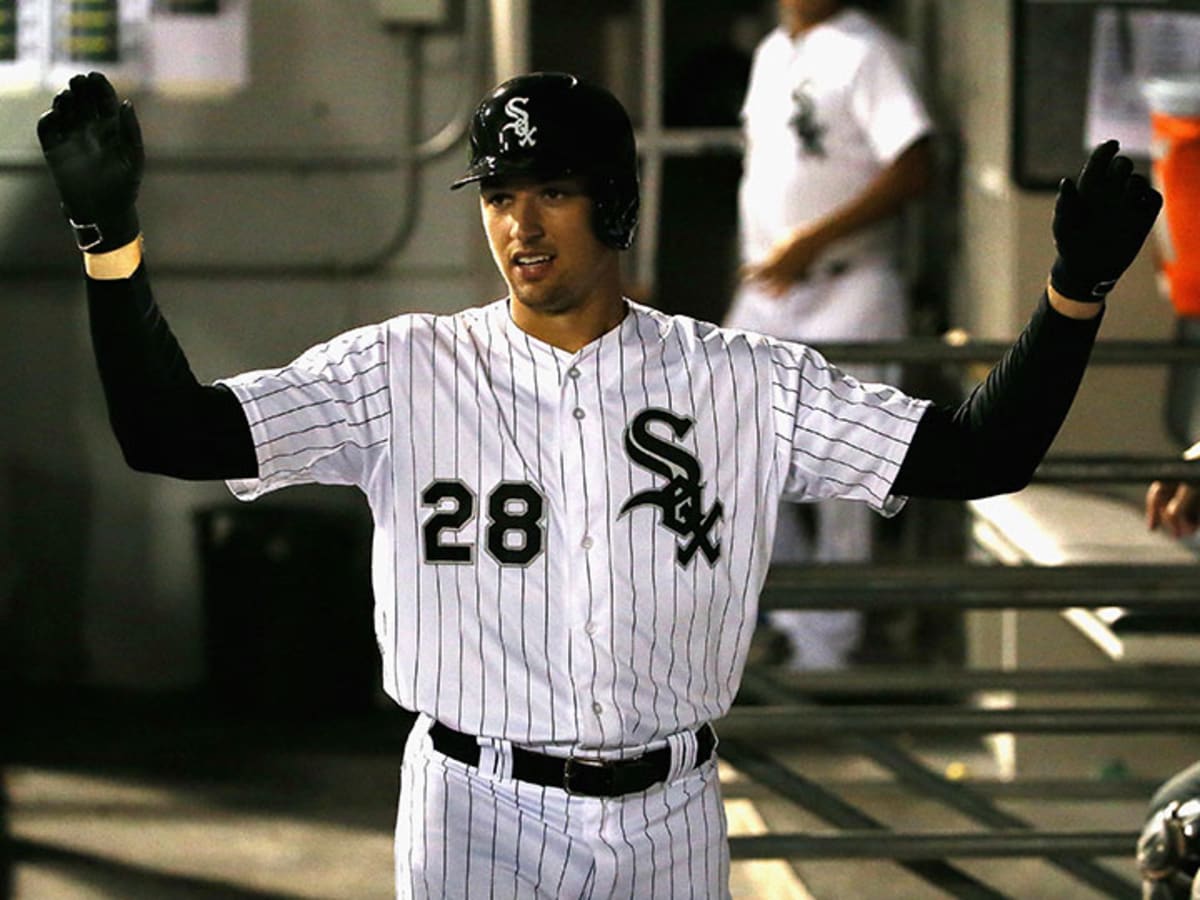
(615, 206)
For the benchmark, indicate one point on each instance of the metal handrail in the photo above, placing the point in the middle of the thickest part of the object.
(872, 844)
(789, 721)
(961, 585)
(950, 350)
(1110, 469)
(884, 681)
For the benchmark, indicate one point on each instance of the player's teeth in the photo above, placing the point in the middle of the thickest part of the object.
(531, 260)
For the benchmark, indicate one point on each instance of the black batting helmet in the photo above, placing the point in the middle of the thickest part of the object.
(550, 125)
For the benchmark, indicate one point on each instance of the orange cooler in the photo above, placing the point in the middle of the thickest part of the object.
(1175, 170)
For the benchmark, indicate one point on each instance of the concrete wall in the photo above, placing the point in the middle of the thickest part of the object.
(103, 560)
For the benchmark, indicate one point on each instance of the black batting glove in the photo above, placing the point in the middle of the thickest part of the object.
(93, 146)
(1100, 223)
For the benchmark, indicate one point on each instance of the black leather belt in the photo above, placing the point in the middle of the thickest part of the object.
(589, 777)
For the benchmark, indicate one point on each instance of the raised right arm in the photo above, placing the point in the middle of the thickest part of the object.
(165, 420)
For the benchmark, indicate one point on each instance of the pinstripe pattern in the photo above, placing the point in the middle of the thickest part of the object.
(568, 554)
(603, 641)
(514, 840)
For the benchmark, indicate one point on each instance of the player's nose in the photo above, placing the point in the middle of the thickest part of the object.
(526, 218)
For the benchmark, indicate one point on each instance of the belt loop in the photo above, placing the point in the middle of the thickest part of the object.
(419, 731)
(683, 753)
(495, 757)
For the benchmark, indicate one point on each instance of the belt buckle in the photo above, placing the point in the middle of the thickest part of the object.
(575, 767)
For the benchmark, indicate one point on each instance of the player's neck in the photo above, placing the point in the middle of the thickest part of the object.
(571, 329)
(795, 29)
(798, 23)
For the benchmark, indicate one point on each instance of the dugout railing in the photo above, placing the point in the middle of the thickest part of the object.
(775, 711)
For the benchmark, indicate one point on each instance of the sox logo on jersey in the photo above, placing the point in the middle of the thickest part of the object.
(681, 500)
(804, 121)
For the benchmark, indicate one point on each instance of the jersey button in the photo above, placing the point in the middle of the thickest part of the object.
(586, 543)
(590, 628)
(579, 413)
(597, 708)
(573, 372)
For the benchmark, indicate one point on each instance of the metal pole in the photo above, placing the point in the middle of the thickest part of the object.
(884, 845)
(940, 681)
(788, 722)
(908, 586)
(510, 37)
(939, 350)
(1073, 789)
(649, 143)
(698, 141)
(1094, 469)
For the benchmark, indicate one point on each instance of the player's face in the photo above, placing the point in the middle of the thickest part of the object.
(541, 237)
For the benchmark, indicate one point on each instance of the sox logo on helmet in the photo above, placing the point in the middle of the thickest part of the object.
(519, 124)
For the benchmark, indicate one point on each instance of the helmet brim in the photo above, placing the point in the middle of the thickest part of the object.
(495, 167)
(475, 173)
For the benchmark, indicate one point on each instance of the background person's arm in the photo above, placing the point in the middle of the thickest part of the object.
(789, 260)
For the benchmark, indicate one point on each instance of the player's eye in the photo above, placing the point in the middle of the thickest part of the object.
(559, 190)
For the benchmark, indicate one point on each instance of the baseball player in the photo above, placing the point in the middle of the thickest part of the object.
(837, 143)
(574, 495)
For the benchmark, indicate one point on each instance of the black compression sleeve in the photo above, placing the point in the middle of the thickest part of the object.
(993, 442)
(164, 419)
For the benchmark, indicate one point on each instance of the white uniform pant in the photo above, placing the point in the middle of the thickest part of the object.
(821, 639)
(463, 832)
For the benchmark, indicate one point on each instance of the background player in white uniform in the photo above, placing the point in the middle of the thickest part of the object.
(574, 495)
(836, 143)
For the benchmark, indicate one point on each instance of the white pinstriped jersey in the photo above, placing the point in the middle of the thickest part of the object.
(569, 547)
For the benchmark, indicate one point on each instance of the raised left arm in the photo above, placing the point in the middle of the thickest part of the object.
(993, 442)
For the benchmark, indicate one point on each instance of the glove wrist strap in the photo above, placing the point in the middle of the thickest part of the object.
(87, 236)
(1071, 285)
(106, 235)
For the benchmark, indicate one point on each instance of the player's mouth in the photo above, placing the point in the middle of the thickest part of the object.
(532, 266)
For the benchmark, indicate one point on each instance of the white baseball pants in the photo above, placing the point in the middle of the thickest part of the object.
(463, 832)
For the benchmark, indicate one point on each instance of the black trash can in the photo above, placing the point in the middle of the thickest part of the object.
(287, 609)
